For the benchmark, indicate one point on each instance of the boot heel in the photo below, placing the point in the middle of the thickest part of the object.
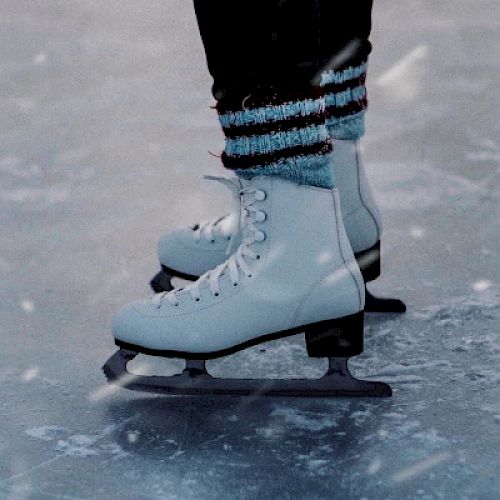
(369, 262)
(338, 338)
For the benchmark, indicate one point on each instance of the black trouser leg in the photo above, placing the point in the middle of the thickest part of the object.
(278, 43)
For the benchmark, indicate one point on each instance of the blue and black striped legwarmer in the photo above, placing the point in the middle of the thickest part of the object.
(346, 101)
(281, 134)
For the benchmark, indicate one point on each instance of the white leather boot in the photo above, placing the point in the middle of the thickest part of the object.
(361, 215)
(190, 252)
(360, 212)
(294, 271)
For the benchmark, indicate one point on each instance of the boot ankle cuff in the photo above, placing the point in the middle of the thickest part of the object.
(278, 134)
(347, 128)
(345, 101)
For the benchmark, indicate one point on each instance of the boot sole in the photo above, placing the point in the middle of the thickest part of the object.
(341, 337)
(337, 339)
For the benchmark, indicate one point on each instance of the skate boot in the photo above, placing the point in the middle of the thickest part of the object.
(362, 219)
(190, 252)
(293, 272)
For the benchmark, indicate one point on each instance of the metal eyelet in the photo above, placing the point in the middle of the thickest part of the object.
(260, 195)
(260, 236)
(260, 216)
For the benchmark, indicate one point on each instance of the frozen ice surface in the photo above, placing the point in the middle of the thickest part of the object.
(105, 130)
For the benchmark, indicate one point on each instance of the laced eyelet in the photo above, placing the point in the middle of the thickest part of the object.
(260, 195)
(249, 276)
(260, 236)
(260, 216)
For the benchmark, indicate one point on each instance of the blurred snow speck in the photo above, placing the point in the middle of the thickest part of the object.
(133, 436)
(101, 393)
(40, 59)
(404, 78)
(374, 466)
(324, 257)
(481, 285)
(417, 233)
(30, 374)
(421, 467)
(27, 306)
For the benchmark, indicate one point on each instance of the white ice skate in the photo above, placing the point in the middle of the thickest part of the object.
(294, 272)
(190, 252)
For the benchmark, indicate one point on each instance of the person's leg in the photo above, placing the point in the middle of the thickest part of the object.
(345, 57)
(288, 44)
(343, 79)
(345, 61)
(251, 44)
(264, 66)
(288, 49)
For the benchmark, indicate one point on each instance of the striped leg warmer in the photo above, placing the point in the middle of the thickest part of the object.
(346, 101)
(283, 135)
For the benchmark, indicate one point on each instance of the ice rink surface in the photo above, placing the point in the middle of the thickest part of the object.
(105, 129)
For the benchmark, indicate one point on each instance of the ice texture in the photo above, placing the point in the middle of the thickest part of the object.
(105, 131)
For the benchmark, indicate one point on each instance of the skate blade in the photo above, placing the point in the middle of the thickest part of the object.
(196, 381)
(383, 305)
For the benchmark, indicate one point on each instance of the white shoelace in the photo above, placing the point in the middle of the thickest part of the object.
(236, 263)
(206, 229)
